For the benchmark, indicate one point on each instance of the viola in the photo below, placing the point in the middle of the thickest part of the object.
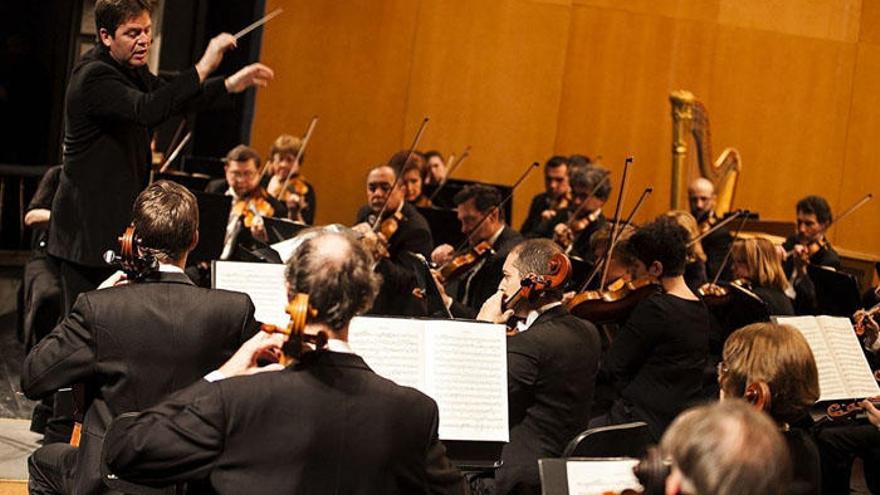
(860, 316)
(298, 341)
(294, 195)
(388, 226)
(848, 410)
(714, 294)
(560, 203)
(533, 286)
(462, 263)
(253, 206)
(614, 303)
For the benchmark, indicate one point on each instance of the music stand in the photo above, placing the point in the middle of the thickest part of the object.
(213, 217)
(837, 293)
(444, 225)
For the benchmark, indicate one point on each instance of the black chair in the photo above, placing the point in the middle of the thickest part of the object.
(624, 440)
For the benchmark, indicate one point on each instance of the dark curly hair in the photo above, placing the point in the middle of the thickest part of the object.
(662, 240)
(109, 14)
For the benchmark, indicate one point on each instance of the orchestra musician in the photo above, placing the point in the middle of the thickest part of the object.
(112, 102)
(695, 268)
(556, 196)
(391, 246)
(773, 367)
(301, 200)
(552, 363)
(757, 262)
(482, 221)
(573, 233)
(725, 447)
(326, 424)
(412, 174)
(701, 198)
(435, 168)
(658, 357)
(133, 344)
(808, 246)
(250, 202)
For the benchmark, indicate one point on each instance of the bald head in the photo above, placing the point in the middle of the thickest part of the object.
(701, 196)
(726, 448)
(337, 274)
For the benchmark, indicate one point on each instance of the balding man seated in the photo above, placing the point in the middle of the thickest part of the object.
(725, 448)
(701, 196)
(325, 425)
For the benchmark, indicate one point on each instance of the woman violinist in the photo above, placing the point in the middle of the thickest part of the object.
(657, 358)
(756, 262)
(412, 178)
(695, 269)
(299, 196)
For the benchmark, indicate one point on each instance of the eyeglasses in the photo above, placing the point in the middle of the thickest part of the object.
(247, 174)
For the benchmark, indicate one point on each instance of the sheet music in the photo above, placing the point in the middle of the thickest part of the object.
(393, 347)
(263, 282)
(467, 376)
(462, 365)
(286, 248)
(843, 369)
(598, 477)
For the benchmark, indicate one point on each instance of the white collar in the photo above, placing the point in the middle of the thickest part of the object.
(337, 345)
(163, 268)
(496, 235)
(522, 326)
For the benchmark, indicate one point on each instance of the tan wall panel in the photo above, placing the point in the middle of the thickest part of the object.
(704, 10)
(789, 125)
(870, 22)
(622, 67)
(827, 19)
(861, 173)
(489, 75)
(349, 63)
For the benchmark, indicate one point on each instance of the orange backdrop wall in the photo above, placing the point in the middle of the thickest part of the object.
(792, 85)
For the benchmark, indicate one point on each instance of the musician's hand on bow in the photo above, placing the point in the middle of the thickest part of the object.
(491, 310)
(548, 214)
(373, 241)
(118, 278)
(258, 229)
(447, 300)
(868, 325)
(801, 258)
(562, 235)
(251, 75)
(442, 254)
(245, 359)
(872, 412)
(213, 55)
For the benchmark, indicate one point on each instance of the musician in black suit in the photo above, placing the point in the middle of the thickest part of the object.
(573, 234)
(412, 235)
(482, 221)
(701, 198)
(133, 344)
(326, 425)
(556, 195)
(552, 362)
(808, 246)
(112, 103)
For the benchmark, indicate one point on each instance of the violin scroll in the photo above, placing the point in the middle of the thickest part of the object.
(134, 263)
(298, 342)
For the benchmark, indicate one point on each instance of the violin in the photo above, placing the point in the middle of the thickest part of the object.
(294, 195)
(613, 303)
(714, 294)
(254, 206)
(848, 410)
(298, 341)
(134, 263)
(533, 286)
(860, 319)
(464, 262)
(560, 203)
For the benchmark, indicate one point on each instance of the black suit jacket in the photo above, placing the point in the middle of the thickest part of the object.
(805, 302)
(484, 282)
(530, 227)
(398, 273)
(327, 425)
(551, 375)
(133, 345)
(109, 115)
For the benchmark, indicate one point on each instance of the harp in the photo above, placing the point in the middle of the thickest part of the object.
(690, 117)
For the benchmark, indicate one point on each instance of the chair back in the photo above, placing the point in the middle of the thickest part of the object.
(623, 440)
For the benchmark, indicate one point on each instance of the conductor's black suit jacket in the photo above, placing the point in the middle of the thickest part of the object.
(110, 112)
(327, 425)
(131, 346)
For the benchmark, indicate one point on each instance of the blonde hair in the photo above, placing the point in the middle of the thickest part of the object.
(777, 355)
(286, 144)
(685, 219)
(759, 255)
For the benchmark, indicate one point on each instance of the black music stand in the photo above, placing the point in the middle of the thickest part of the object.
(837, 293)
(213, 217)
(444, 225)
